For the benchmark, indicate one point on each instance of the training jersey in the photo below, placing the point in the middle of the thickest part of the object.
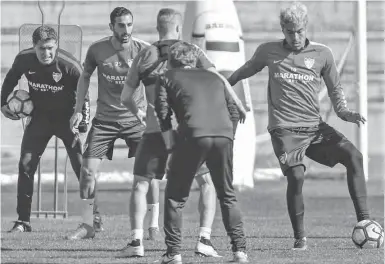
(148, 66)
(112, 68)
(52, 87)
(294, 81)
(200, 101)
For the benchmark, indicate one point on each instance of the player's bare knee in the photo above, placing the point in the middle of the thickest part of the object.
(87, 175)
(354, 158)
(141, 183)
(154, 183)
(295, 173)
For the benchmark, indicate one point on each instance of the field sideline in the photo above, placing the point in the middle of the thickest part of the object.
(329, 222)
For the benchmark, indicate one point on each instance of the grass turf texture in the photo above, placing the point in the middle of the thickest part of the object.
(329, 221)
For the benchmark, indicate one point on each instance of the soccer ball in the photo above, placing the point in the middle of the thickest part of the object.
(20, 103)
(368, 234)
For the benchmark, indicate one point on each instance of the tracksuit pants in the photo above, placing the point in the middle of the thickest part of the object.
(188, 156)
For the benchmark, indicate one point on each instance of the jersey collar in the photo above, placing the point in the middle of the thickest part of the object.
(286, 46)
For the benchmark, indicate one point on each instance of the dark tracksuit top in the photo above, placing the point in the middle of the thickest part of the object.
(202, 108)
(52, 89)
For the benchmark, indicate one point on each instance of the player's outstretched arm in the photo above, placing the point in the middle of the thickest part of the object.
(251, 67)
(336, 93)
(204, 62)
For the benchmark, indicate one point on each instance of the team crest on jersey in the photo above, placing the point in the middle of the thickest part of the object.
(56, 76)
(309, 62)
(283, 158)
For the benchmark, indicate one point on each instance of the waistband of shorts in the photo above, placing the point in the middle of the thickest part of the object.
(300, 129)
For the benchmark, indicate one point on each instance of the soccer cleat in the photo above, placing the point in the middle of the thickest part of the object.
(300, 244)
(98, 224)
(84, 231)
(204, 248)
(240, 257)
(176, 259)
(20, 226)
(133, 249)
(154, 234)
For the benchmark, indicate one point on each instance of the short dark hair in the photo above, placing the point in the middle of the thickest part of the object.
(118, 12)
(183, 54)
(44, 33)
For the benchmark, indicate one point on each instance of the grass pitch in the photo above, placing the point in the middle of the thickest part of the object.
(329, 222)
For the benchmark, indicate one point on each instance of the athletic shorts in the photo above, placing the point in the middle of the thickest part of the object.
(152, 159)
(102, 135)
(321, 143)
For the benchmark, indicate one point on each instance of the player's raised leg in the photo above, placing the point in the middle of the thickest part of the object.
(336, 148)
(353, 162)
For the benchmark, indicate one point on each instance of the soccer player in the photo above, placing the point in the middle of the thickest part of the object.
(152, 156)
(112, 56)
(296, 66)
(52, 74)
(201, 104)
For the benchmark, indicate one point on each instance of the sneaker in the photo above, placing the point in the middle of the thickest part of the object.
(154, 234)
(300, 244)
(240, 257)
(176, 259)
(133, 249)
(20, 226)
(204, 248)
(84, 231)
(98, 224)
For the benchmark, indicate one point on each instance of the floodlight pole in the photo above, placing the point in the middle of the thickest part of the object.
(362, 74)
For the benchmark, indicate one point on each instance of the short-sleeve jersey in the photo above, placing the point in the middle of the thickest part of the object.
(148, 66)
(295, 81)
(52, 87)
(112, 66)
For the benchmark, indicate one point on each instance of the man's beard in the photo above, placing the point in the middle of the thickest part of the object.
(125, 38)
